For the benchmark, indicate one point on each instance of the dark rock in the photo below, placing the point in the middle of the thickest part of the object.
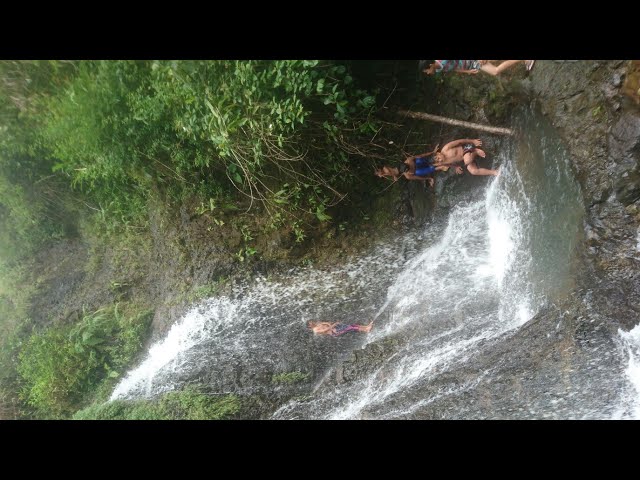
(624, 144)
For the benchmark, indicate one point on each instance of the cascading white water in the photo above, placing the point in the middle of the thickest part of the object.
(470, 286)
(630, 402)
(489, 273)
(262, 317)
(194, 328)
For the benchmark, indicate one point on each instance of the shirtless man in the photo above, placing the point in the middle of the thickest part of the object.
(464, 150)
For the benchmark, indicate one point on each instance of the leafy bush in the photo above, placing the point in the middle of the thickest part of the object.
(33, 202)
(61, 365)
(278, 132)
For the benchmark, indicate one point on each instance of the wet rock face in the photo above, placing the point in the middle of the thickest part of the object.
(624, 152)
(585, 101)
(363, 362)
(562, 363)
(61, 280)
(631, 87)
(576, 106)
(558, 366)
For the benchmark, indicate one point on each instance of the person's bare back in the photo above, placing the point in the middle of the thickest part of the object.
(464, 150)
(453, 152)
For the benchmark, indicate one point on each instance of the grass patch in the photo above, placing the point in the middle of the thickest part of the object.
(188, 404)
(206, 291)
(289, 378)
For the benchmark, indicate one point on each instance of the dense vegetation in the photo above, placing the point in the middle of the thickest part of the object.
(85, 145)
(60, 366)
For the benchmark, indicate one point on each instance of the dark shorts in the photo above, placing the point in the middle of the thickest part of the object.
(341, 328)
(468, 148)
(473, 65)
(452, 65)
(424, 166)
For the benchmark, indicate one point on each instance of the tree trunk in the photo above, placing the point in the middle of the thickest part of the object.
(459, 123)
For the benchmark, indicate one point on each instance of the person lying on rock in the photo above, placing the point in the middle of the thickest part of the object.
(469, 66)
(335, 329)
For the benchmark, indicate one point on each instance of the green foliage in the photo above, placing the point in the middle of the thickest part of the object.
(91, 133)
(11, 333)
(298, 231)
(9, 405)
(289, 377)
(33, 203)
(54, 373)
(598, 112)
(245, 253)
(277, 134)
(61, 365)
(205, 291)
(15, 291)
(17, 217)
(122, 410)
(122, 127)
(188, 404)
(24, 87)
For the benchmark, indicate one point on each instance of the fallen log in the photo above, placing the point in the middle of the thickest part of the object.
(451, 121)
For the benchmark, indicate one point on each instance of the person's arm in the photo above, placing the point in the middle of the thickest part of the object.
(411, 176)
(470, 72)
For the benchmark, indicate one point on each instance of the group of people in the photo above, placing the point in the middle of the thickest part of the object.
(422, 167)
(465, 151)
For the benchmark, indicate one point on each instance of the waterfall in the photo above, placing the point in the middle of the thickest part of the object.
(629, 343)
(471, 277)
